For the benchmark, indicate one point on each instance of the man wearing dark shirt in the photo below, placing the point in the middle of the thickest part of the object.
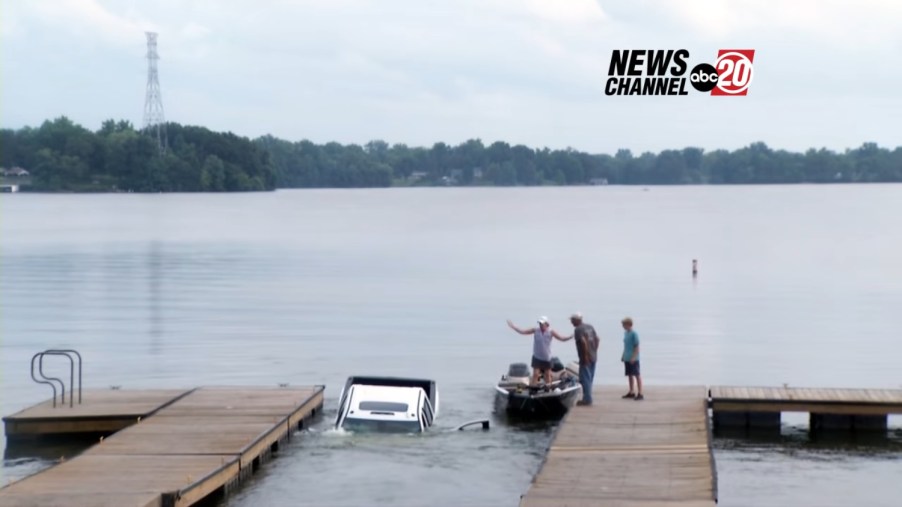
(587, 350)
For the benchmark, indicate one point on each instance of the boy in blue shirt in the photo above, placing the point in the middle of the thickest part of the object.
(630, 359)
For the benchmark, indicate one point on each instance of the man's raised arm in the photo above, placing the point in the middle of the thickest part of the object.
(560, 337)
(517, 329)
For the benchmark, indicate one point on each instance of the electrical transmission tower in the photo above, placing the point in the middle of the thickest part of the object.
(153, 102)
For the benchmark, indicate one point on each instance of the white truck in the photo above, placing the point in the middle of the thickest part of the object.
(387, 404)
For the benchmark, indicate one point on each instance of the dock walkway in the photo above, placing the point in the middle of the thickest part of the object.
(626, 453)
(197, 444)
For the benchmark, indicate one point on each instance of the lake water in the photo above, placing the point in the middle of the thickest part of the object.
(797, 284)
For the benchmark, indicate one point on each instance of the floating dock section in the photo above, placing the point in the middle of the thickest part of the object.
(102, 412)
(829, 409)
(180, 447)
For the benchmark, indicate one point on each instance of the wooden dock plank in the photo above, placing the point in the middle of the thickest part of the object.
(210, 439)
(881, 396)
(806, 399)
(90, 480)
(815, 395)
(101, 411)
(186, 450)
(847, 395)
(103, 402)
(591, 502)
(598, 452)
(887, 396)
(96, 499)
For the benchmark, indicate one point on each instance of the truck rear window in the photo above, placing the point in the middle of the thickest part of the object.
(383, 406)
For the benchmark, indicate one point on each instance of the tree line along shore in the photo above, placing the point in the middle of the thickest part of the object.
(61, 156)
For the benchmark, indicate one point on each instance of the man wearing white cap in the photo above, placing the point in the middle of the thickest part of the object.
(541, 347)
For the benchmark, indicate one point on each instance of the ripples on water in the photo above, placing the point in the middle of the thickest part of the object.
(441, 467)
(797, 285)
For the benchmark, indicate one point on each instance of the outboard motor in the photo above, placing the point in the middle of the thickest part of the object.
(556, 365)
(518, 370)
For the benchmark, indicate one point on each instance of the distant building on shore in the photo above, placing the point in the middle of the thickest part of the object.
(416, 176)
(15, 172)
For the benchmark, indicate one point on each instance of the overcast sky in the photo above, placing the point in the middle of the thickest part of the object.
(827, 73)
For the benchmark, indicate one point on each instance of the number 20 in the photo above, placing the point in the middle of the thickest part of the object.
(739, 71)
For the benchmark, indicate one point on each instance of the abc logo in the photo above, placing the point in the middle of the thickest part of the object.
(703, 77)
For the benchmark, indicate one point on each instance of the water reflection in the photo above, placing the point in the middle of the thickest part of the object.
(310, 287)
(155, 273)
(48, 450)
(792, 440)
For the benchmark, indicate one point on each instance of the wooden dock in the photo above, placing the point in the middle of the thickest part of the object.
(182, 446)
(626, 453)
(829, 409)
(199, 443)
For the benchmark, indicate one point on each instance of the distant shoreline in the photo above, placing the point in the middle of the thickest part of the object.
(459, 187)
(61, 156)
